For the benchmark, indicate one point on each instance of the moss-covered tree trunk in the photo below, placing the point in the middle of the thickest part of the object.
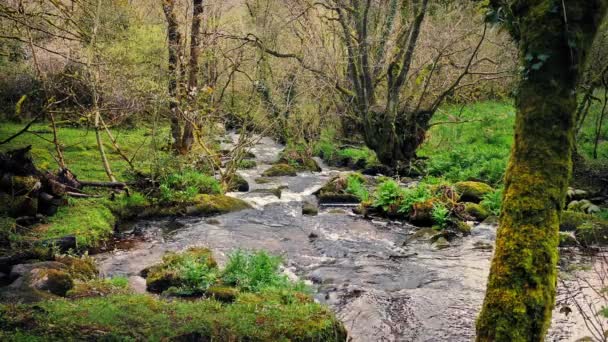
(553, 38)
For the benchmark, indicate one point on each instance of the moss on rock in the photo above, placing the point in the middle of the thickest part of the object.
(216, 204)
(279, 170)
(57, 282)
(334, 191)
(238, 183)
(476, 211)
(422, 213)
(224, 294)
(99, 288)
(81, 268)
(170, 272)
(472, 191)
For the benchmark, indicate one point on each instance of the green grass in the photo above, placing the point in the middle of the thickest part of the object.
(265, 306)
(328, 148)
(256, 272)
(90, 220)
(270, 316)
(475, 145)
(80, 149)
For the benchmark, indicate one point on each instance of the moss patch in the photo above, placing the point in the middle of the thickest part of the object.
(476, 211)
(188, 269)
(472, 191)
(279, 170)
(216, 204)
(143, 317)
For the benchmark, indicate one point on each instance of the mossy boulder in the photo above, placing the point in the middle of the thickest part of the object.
(57, 282)
(37, 281)
(81, 268)
(263, 180)
(300, 160)
(238, 183)
(16, 206)
(462, 227)
(224, 294)
(476, 211)
(170, 272)
(279, 170)
(216, 204)
(472, 191)
(441, 243)
(422, 213)
(309, 209)
(334, 191)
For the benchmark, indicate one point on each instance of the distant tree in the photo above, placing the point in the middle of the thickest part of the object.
(183, 94)
(554, 38)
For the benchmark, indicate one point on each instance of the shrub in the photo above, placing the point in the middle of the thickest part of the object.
(419, 193)
(355, 185)
(388, 196)
(440, 215)
(492, 202)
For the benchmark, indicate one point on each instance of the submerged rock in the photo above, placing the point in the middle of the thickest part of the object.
(309, 209)
(37, 281)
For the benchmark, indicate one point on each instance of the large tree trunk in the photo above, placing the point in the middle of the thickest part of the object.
(521, 287)
(396, 139)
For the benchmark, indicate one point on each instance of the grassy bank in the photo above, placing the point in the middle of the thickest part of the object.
(249, 300)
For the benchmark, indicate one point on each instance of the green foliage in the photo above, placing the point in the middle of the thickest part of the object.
(476, 146)
(99, 288)
(187, 273)
(327, 148)
(269, 316)
(247, 164)
(90, 220)
(80, 149)
(440, 214)
(254, 272)
(185, 186)
(355, 185)
(388, 195)
(393, 199)
(418, 194)
(493, 201)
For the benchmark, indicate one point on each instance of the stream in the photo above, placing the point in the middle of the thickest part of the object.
(381, 287)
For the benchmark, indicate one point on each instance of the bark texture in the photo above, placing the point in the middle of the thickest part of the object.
(521, 287)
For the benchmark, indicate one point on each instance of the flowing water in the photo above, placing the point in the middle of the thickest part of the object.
(381, 286)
